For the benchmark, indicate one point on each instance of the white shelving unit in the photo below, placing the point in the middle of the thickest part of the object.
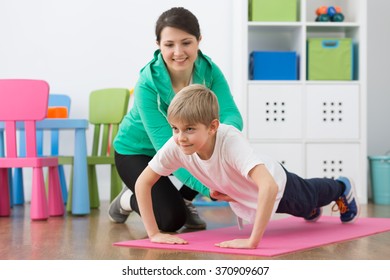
(316, 128)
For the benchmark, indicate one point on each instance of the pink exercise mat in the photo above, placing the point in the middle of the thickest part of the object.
(281, 237)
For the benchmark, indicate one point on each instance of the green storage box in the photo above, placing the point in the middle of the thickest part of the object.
(330, 59)
(273, 10)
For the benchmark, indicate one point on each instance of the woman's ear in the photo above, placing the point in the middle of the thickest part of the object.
(158, 44)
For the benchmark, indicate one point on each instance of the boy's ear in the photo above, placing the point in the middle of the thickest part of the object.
(214, 126)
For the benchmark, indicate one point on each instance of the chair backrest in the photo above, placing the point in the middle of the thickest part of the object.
(107, 107)
(22, 100)
(55, 100)
(61, 100)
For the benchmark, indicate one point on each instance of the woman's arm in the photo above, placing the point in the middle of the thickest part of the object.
(229, 113)
(152, 112)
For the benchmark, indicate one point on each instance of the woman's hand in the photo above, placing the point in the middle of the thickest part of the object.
(167, 238)
(237, 243)
(220, 196)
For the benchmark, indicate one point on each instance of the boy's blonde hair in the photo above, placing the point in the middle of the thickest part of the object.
(194, 104)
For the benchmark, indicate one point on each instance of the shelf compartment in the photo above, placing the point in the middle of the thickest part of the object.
(275, 111)
(349, 8)
(332, 111)
(333, 161)
(288, 154)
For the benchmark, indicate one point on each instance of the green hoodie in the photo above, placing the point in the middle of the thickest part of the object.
(145, 129)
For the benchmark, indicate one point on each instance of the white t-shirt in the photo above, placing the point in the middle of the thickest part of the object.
(226, 171)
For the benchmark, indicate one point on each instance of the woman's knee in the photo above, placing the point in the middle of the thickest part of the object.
(171, 221)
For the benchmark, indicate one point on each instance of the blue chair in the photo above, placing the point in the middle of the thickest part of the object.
(55, 100)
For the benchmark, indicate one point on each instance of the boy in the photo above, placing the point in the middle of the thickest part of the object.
(222, 159)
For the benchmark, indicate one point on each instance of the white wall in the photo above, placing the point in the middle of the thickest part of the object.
(378, 92)
(82, 45)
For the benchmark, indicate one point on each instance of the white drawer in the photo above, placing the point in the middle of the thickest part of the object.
(275, 112)
(332, 112)
(333, 161)
(288, 154)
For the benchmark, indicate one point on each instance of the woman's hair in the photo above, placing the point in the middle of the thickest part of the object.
(194, 104)
(180, 18)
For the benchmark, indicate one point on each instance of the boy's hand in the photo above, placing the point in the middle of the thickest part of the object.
(220, 196)
(167, 238)
(237, 243)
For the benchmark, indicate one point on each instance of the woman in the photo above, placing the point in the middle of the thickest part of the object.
(177, 63)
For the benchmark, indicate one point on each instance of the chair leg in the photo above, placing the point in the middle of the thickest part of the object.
(64, 188)
(116, 183)
(62, 179)
(39, 209)
(70, 192)
(10, 188)
(5, 206)
(17, 187)
(56, 203)
(93, 187)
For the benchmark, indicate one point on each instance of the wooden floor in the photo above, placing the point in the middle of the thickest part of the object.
(91, 237)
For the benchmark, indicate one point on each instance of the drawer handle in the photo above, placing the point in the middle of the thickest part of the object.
(330, 44)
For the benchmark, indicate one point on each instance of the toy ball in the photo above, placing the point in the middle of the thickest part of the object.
(331, 11)
(338, 17)
(338, 9)
(322, 10)
(323, 17)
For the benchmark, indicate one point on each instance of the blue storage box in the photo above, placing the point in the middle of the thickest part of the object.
(273, 65)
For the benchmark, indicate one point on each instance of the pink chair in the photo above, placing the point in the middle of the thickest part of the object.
(26, 101)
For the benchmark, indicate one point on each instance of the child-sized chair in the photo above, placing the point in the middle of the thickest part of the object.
(26, 101)
(58, 105)
(107, 107)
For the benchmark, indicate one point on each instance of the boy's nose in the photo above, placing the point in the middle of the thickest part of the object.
(182, 136)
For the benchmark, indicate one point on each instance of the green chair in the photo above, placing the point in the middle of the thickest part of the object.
(107, 107)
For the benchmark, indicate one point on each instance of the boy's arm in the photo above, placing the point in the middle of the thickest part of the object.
(268, 190)
(143, 191)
